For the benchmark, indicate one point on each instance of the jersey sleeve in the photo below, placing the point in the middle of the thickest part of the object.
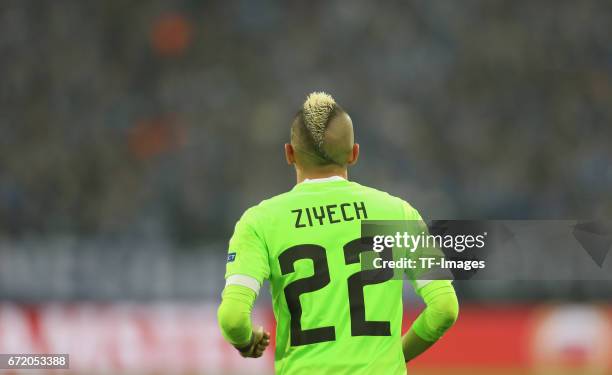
(442, 309)
(410, 213)
(247, 252)
(418, 277)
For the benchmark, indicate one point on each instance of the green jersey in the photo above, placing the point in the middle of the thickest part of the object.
(306, 242)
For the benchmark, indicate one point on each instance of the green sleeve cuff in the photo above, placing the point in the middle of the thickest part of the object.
(234, 314)
(441, 311)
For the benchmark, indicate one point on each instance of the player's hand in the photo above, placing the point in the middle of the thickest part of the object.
(259, 342)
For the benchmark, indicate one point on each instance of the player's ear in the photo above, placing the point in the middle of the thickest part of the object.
(354, 154)
(289, 154)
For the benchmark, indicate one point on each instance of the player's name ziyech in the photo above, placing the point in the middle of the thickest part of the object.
(329, 214)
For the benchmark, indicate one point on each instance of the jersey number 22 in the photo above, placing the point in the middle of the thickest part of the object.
(359, 325)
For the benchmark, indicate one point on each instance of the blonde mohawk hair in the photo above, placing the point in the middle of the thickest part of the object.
(316, 110)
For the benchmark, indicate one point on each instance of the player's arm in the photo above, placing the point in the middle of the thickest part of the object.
(442, 307)
(441, 311)
(247, 267)
(234, 317)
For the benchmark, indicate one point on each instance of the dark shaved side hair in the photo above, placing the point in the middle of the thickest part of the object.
(322, 133)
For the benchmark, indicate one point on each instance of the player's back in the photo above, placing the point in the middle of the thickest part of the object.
(332, 316)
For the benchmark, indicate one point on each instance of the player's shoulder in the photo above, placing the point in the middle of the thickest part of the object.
(409, 212)
(267, 207)
(274, 201)
(374, 191)
(262, 208)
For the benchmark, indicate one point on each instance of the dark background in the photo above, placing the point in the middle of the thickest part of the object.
(134, 134)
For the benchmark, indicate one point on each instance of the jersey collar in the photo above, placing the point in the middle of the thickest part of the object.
(324, 179)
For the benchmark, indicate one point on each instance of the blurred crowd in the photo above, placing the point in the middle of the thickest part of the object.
(145, 119)
(129, 130)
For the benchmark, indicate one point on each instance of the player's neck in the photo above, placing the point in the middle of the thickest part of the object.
(312, 174)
